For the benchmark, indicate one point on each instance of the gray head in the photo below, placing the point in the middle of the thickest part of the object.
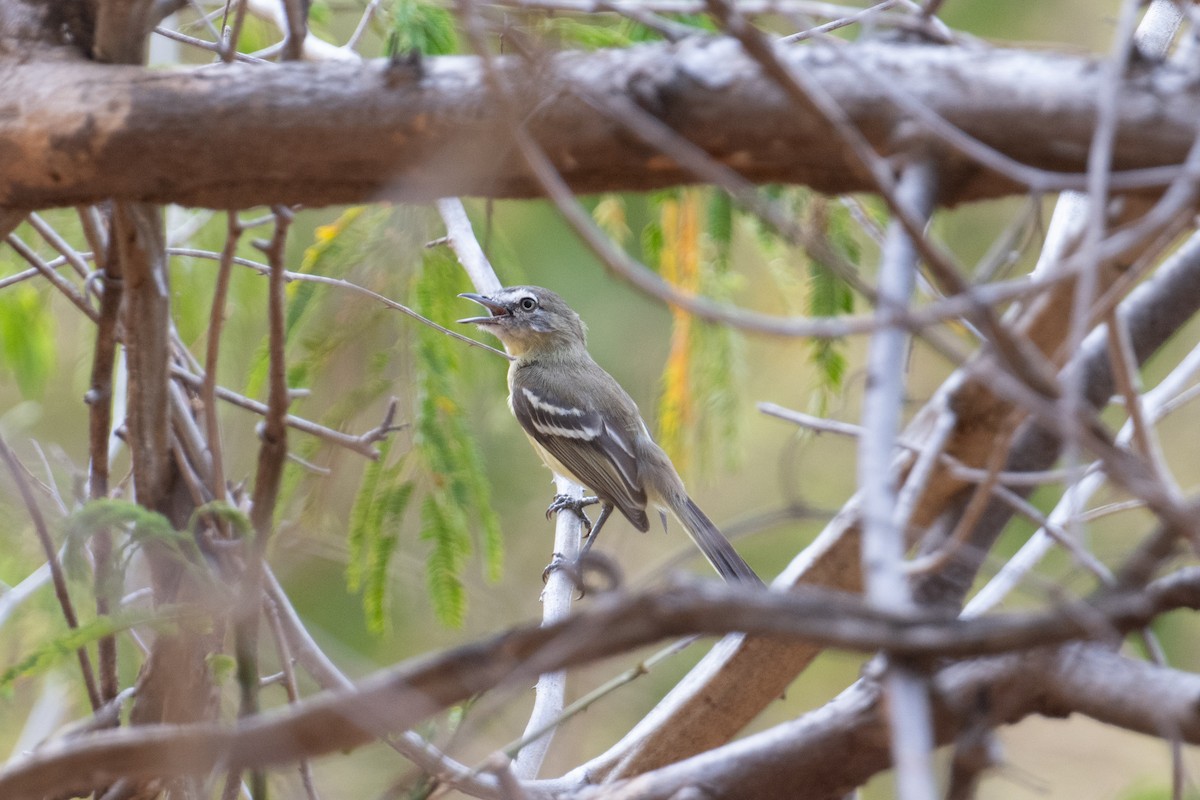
(529, 320)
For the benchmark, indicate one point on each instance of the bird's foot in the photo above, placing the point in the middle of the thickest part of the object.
(576, 505)
(588, 565)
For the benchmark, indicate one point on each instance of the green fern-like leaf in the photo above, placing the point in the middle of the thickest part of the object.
(444, 527)
(421, 27)
(365, 518)
(143, 525)
(451, 460)
(50, 653)
(374, 534)
(830, 296)
(377, 586)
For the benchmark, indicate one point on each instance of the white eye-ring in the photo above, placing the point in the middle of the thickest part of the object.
(528, 303)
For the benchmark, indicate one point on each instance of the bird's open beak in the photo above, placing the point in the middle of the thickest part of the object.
(497, 309)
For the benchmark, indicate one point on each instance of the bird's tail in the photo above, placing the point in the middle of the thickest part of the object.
(714, 545)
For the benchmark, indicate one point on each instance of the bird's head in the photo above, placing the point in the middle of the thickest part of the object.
(529, 320)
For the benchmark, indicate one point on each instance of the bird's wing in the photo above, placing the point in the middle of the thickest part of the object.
(595, 453)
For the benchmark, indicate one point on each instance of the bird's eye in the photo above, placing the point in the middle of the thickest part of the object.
(528, 304)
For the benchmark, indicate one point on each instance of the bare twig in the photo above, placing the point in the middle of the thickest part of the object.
(52, 237)
(272, 455)
(56, 280)
(1125, 373)
(221, 49)
(360, 444)
(361, 28)
(1099, 168)
(56, 573)
(100, 406)
(841, 22)
(288, 674)
(342, 284)
(462, 240)
(231, 34)
(216, 322)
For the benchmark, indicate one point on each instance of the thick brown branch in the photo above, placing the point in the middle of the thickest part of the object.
(240, 135)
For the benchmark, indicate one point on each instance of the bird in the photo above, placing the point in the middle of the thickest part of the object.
(586, 428)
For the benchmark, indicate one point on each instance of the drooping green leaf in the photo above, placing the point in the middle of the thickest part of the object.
(364, 518)
(444, 527)
(449, 456)
(720, 221)
(374, 533)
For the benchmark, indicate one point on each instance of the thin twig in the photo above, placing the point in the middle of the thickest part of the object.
(100, 406)
(976, 506)
(231, 35)
(56, 573)
(216, 322)
(1128, 383)
(272, 456)
(1099, 168)
(841, 22)
(585, 702)
(361, 28)
(59, 282)
(1156, 402)
(466, 247)
(288, 679)
(360, 444)
(342, 284)
(52, 237)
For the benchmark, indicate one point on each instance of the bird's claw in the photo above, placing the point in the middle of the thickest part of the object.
(576, 505)
(578, 572)
(560, 563)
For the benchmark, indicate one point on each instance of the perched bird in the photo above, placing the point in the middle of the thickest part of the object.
(585, 427)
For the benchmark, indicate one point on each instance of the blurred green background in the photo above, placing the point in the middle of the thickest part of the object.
(352, 354)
